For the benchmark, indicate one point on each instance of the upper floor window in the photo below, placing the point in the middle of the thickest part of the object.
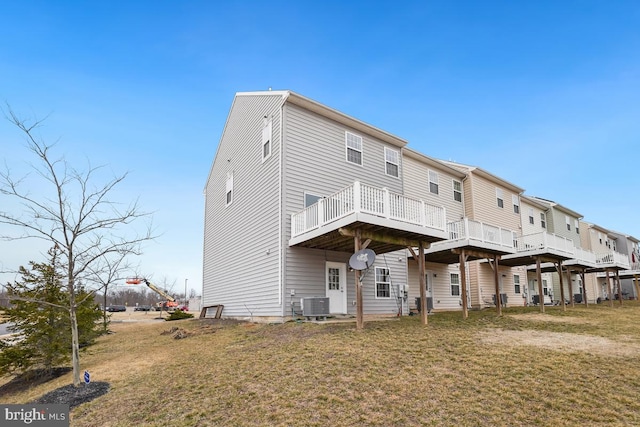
(457, 191)
(433, 182)
(499, 197)
(392, 162)
(531, 221)
(577, 226)
(354, 148)
(383, 283)
(567, 220)
(266, 138)
(600, 237)
(543, 220)
(229, 189)
(516, 203)
(455, 284)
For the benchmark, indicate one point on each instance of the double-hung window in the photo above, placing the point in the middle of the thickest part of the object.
(567, 220)
(531, 221)
(433, 182)
(354, 148)
(455, 284)
(576, 224)
(516, 203)
(500, 197)
(543, 220)
(516, 283)
(457, 191)
(392, 162)
(383, 283)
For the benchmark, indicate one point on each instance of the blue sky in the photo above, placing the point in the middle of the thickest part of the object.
(544, 94)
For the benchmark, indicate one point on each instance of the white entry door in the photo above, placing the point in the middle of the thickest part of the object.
(336, 279)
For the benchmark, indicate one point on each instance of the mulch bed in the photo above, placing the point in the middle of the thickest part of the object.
(70, 395)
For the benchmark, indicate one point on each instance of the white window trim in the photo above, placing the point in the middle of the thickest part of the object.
(433, 174)
(347, 146)
(267, 137)
(375, 282)
(543, 220)
(396, 153)
(515, 200)
(229, 189)
(499, 197)
(518, 283)
(451, 284)
(457, 191)
(532, 219)
(567, 220)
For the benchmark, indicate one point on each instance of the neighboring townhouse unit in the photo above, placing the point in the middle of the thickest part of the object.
(609, 262)
(430, 180)
(564, 223)
(493, 204)
(629, 278)
(294, 190)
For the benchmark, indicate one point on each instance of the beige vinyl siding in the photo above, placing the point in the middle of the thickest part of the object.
(315, 162)
(240, 259)
(416, 184)
(441, 285)
(527, 227)
(484, 206)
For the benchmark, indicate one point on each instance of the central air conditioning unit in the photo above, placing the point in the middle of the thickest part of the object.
(315, 307)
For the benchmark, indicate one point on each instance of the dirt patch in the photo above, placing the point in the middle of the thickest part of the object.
(539, 317)
(560, 341)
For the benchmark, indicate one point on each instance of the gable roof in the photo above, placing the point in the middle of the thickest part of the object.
(558, 206)
(487, 175)
(435, 163)
(335, 115)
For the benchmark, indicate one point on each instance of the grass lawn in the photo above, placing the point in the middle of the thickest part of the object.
(575, 368)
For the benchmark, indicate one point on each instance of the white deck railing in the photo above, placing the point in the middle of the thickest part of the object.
(613, 258)
(479, 231)
(544, 240)
(364, 198)
(584, 256)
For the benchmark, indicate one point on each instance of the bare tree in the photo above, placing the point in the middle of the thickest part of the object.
(105, 272)
(75, 215)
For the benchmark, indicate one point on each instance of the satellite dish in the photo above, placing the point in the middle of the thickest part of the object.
(362, 259)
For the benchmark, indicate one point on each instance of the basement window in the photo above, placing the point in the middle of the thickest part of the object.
(383, 283)
(455, 284)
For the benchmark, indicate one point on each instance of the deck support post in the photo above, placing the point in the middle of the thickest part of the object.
(540, 291)
(463, 284)
(559, 267)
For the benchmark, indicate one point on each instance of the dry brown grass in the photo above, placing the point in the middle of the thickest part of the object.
(522, 369)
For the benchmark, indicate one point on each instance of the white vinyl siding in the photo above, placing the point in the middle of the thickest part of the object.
(455, 284)
(392, 162)
(354, 148)
(433, 182)
(457, 191)
(229, 189)
(499, 197)
(266, 138)
(383, 283)
(516, 203)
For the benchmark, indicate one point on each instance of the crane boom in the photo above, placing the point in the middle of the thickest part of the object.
(158, 290)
